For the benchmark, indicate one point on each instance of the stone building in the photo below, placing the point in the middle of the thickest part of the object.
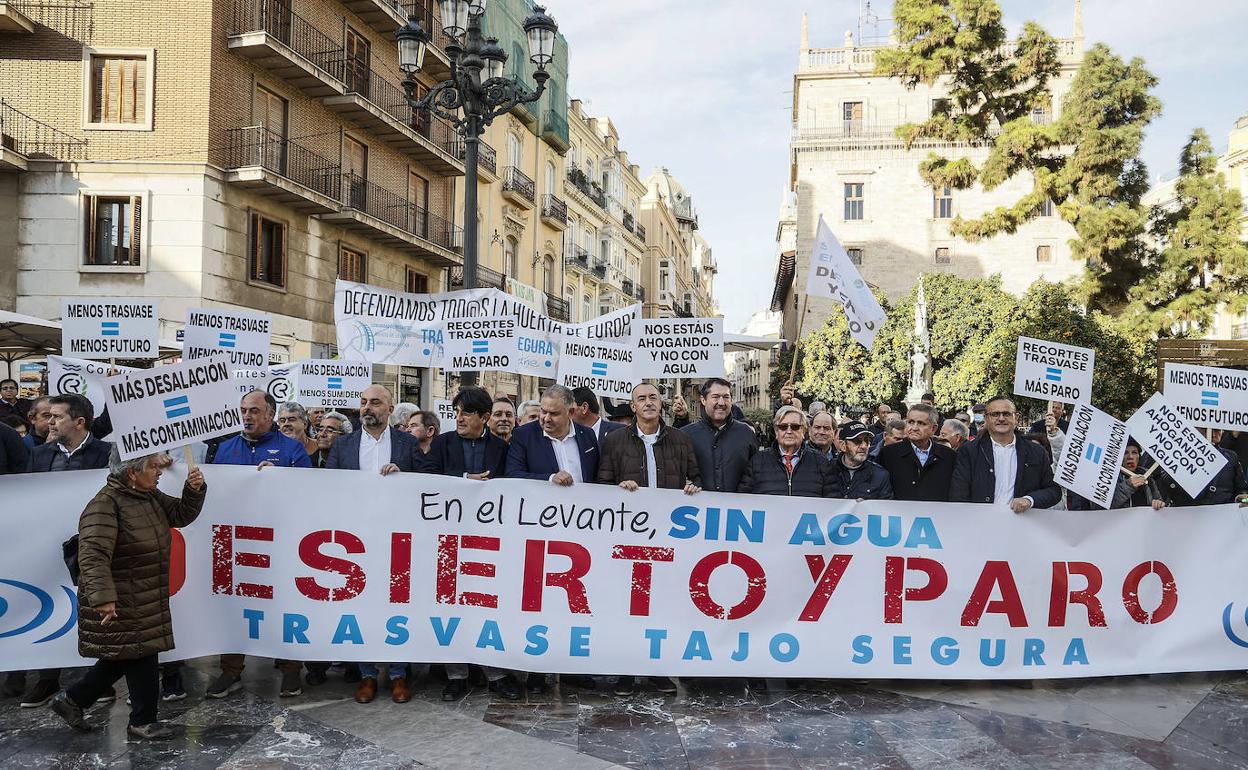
(680, 269)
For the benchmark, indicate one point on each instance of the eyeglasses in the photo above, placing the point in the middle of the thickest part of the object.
(787, 426)
(1000, 414)
(334, 431)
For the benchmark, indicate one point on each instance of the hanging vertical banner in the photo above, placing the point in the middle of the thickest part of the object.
(604, 367)
(244, 337)
(1208, 396)
(332, 384)
(529, 295)
(1177, 446)
(110, 328)
(833, 275)
(681, 347)
(1052, 371)
(1091, 458)
(78, 376)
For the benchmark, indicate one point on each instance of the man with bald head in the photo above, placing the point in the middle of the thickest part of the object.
(376, 447)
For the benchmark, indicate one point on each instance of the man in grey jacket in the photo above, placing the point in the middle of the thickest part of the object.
(722, 445)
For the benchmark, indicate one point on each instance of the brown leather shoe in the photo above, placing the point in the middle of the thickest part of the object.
(398, 690)
(366, 691)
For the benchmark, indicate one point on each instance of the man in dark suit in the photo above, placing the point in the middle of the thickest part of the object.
(377, 447)
(1003, 468)
(920, 468)
(14, 456)
(586, 412)
(555, 448)
(469, 451)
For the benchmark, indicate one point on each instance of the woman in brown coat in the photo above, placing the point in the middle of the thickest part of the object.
(123, 591)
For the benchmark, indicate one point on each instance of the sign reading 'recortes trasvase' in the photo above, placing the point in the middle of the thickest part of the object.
(244, 337)
(1208, 396)
(681, 347)
(155, 410)
(332, 384)
(1053, 372)
(109, 328)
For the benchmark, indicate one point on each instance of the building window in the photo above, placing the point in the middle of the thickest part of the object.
(549, 273)
(855, 255)
(853, 201)
(415, 283)
(355, 169)
(1046, 208)
(358, 63)
(114, 234)
(942, 203)
(510, 267)
(1042, 116)
(942, 255)
(587, 307)
(851, 117)
(664, 275)
(352, 265)
(942, 107)
(267, 247)
(119, 89)
(515, 150)
(1044, 253)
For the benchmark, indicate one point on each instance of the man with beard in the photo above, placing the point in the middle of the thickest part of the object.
(854, 475)
(724, 446)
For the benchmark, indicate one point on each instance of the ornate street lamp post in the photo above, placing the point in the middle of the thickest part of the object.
(476, 93)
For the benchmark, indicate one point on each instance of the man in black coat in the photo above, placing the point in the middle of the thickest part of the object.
(790, 468)
(386, 449)
(13, 454)
(469, 451)
(920, 468)
(587, 413)
(854, 475)
(1003, 468)
(1227, 486)
(722, 444)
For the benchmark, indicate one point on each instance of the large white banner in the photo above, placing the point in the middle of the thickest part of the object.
(1091, 457)
(1165, 434)
(67, 376)
(155, 410)
(244, 337)
(594, 579)
(1208, 396)
(833, 275)
(110, 328)
(681, 347)
(1053, 372)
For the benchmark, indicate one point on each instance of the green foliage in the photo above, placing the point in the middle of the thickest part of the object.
(1202, 264)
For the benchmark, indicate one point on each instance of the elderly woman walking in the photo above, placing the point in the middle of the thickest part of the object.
(123, 592)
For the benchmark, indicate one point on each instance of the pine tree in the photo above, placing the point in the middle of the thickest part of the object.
(1202, 263)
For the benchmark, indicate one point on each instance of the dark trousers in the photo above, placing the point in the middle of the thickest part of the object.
(142, 678)
(232, 663)
(49, 675)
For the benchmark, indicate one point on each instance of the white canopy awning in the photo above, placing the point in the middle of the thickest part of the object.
(740, 343)
(25, 336)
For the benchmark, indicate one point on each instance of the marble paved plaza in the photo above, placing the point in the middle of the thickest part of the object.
(1175, 721)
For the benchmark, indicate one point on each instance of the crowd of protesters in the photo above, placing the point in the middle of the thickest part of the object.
(567, 437)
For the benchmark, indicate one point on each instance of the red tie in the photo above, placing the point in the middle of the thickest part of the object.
(788, 463)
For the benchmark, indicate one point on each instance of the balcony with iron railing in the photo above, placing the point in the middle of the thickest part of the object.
(861, 59)
(486, 278)
(557, 307)
(627, 220)
(24, 138)
(576, 257)
(554, 212)
(283, 170)
(281, 41)
(600, 268)
(640, 230)
(587, 187)
(519, 188)
(12, 19)
(641, 293)
(487, 159)
(390, 218)
(627, 287)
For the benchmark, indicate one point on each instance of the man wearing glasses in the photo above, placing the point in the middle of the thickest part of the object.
(789, 468)
(333, 425)
(1002, 468)
(920, 468)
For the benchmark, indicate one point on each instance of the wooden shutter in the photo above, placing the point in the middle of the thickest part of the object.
(136, 229)
(279, 249)
(90, 227)
(118, 89)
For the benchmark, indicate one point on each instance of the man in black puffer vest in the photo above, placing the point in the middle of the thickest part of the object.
(790, 468)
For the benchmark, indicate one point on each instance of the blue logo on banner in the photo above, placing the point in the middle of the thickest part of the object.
(1209, 398)
(1053, 374)
(47, 607)
(598, 369)
(110, 328)
(334, 383)
(227, 340)
(1094, 453)
(178, 406)
(480, 346)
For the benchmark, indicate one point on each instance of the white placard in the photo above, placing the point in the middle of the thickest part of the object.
(155, 410)
(833, 275)
(1052, 371)
(277, 381)
(479, 344)
(110, 328)
(604, 367)
(446, 414)
(1177, 446)
(681, 347)
(1091, 458)
(529, 295)
(332, 384)
(78, 376)
(244, 337)
(1208, 396)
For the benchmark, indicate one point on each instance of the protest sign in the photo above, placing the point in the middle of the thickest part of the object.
(529, 295)
(1177, 446)
(681, 347)
(381, 326)
(1053, 371)
(1208, 396)
(244, 337)
(78, 376)
(110, 328)
(446, 414)
(594, 579)
(154, 410)
(833, 275)
(604, 367)
(277, 381)
(1091, 457)
(332, 384)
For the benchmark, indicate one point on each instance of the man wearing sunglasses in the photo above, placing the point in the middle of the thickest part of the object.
(1002, 468)
(790, 467)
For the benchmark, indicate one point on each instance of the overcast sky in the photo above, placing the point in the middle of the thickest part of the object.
(704, 87)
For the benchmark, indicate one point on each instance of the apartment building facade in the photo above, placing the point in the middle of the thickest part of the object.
(681, 269)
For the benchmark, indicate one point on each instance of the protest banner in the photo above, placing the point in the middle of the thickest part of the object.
(78, 376)
(529, 295)
(1053, 371)
(833, 275)
(110, 328)
(680, 347)
(594, 579)
(1091, 457)
(277, 381)
(155, 410)
(604, 367)
(1208, 396)
(381, 326)
(446, 414)
(1176, 446)
(244, 337)
(332, 384)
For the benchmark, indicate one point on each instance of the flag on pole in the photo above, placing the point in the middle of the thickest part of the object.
(834, 276)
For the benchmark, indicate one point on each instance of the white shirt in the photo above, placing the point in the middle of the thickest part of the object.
(567, 453)
(1005, 468)
(374, 452)
(652, 469)
(795, 457)
(597, 428)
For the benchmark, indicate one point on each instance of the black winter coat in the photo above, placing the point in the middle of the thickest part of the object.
(1223, 488)
(766, 475)
(722, 454)
(869, 482)
(911, 481)
(975, 481)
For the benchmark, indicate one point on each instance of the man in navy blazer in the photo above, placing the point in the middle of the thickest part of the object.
(554, 448)
(469, 451)
(587, 413)
(385, 449)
